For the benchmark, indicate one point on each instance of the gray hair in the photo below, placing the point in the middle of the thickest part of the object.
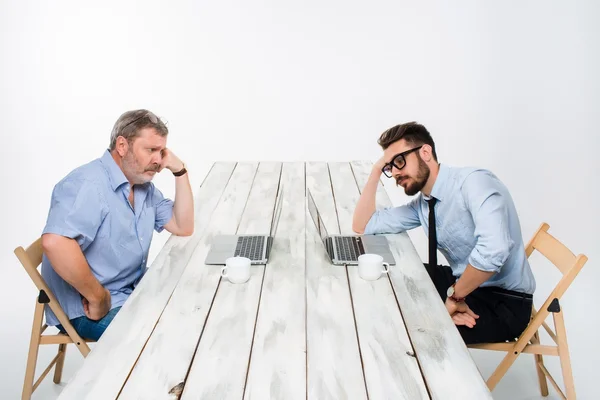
(130, 123)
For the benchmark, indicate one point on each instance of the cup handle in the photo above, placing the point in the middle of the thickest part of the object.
(386, 268)
(223, 273)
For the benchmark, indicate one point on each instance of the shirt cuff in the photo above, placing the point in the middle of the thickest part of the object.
(371, 227)
(166, 216)
(482, 263)
(62, 231)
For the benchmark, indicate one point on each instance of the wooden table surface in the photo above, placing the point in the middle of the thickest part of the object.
(300, 327)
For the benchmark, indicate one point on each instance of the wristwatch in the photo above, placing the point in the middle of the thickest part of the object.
(450, 294)
(180, 172)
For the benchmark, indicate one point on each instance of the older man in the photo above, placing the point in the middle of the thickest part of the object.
(101, 221)
(470, 216)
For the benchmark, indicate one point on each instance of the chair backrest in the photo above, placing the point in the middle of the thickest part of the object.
(559, 255)
(31, 258)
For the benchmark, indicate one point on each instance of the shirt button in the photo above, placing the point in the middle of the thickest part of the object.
(141, 239)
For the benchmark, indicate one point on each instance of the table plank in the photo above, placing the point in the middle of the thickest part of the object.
(391, 369)
(361, 170)
(449, 370)
(221, 362)
(126, 336)
(165, 362)
(333, 358)
(278, 363)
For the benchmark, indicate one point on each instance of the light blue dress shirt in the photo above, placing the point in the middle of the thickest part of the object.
(476, 223)
(91, 206)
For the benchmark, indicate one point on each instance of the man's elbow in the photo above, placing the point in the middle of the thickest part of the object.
(358, 229)
(186, 231)
(50, 242)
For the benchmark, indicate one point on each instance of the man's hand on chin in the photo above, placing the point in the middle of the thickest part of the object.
(170, 161)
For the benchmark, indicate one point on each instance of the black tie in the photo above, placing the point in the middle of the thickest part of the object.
(432, 234)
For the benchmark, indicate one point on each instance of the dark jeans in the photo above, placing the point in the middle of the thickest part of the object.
(90, 329)
(503, 314)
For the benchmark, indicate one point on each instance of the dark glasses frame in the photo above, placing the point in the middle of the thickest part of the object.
(393, 163)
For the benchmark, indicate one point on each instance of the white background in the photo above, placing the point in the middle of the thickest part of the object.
(512, 86)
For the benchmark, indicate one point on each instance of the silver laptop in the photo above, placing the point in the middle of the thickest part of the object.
(254, 247)
(345, 250)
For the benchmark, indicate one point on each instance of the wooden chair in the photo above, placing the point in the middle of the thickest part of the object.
(31, 259)
(529, 341)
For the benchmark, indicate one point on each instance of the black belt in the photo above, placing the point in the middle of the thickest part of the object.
(507, 292)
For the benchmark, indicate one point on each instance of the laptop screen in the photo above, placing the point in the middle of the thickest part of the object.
(316, 217)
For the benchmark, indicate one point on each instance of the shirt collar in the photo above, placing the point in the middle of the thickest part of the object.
(439, 187)
(115, 174)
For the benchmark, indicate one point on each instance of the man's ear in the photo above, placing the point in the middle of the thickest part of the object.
(426, 153)
(122, 146)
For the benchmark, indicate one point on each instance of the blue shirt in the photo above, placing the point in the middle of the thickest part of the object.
(476, 223)
(91, 206)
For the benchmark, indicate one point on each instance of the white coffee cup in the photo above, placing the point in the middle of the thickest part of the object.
(371, 266)
(236, 269)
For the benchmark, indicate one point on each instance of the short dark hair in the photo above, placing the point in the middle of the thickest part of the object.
(411, 132)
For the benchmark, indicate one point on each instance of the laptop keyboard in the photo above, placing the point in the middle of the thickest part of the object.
(250, 247)
(347, 248)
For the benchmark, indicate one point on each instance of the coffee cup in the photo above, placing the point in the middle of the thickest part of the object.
(371, 266)
(236, 269)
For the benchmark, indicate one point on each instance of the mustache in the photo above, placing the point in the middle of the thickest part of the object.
(153, 167)
(399, 179)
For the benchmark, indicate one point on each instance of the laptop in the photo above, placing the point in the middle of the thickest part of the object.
(345, 250)
(254, 247)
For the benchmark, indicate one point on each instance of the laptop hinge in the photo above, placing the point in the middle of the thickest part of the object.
(267, 247)
(331, 248)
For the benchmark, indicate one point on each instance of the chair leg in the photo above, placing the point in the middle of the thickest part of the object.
(539, 361)
(34, 344)
(62, 350)
(500, 371)
(563, 353)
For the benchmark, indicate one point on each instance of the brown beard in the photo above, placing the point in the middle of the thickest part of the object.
(419, 181)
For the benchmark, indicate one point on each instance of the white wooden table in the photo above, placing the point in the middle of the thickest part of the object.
(299, 328)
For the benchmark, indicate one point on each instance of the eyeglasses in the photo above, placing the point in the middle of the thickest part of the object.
(398, 161)
(153, 118)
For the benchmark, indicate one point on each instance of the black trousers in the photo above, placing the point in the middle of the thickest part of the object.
(503, 314)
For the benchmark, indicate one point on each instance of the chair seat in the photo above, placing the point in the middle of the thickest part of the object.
(60, 338)
(530, 348)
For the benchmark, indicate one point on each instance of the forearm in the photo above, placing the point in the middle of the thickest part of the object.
(70, 264)
(183, 206)
(366, 203)
(470, 280)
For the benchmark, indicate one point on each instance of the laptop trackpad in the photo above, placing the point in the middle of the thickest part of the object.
(222, 247)
(379, 245)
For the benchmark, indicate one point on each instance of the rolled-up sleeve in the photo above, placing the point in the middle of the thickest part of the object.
(394, 219)
(486, 203)
(163, 209)
(77, 210)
